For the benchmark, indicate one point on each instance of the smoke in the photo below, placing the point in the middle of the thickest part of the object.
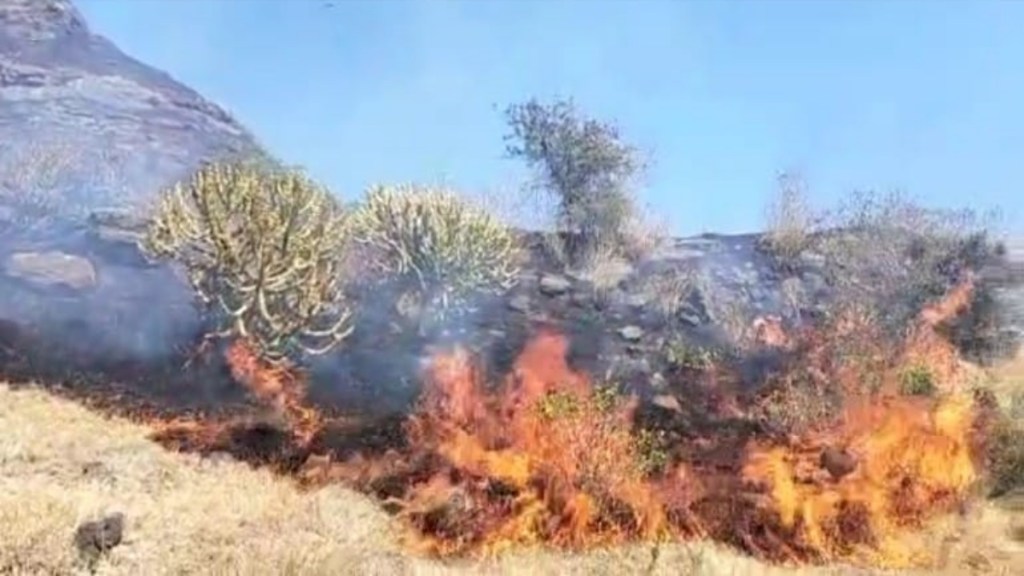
(130, 311)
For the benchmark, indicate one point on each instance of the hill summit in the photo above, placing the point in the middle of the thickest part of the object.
(96, 129)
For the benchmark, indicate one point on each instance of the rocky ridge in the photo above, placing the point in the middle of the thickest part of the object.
(96, 128)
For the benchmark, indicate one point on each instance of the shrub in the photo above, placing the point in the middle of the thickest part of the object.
(585, 165)
(1006, 457)
(917, 381)
(892, 255)
(558, 404)
(435, 244)
(264, 249)
(790, 223)
(651, 451)
(683, 356)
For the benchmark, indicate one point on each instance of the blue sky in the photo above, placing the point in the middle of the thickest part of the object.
(921, 96)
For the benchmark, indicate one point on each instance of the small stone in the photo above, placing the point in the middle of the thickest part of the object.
(637, 301)
(689, 319)
(94, 470)
(98, 537)
(978, 561)
(519, 303)
(814, 259)
(631, 333)
(658, 381)
(668, 402)
(582, 299)
(554, 285)
(838, 463)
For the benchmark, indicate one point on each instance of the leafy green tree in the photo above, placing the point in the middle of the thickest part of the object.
(585, 164)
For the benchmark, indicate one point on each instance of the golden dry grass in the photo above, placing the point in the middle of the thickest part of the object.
(61, 464)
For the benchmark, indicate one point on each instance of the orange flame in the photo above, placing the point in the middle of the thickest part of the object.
(570, 473)
(903, 462)
(277, 386)
(545, 458)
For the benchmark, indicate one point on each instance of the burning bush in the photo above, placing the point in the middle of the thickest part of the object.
(896, 256)
(546, 458)
(437, 247)
(264, 249)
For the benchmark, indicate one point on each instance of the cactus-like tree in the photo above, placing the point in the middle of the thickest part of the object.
(264, 250)
(438, 246)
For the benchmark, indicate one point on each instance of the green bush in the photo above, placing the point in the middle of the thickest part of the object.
(584, 164)
(917, 381)
(264, 249)
(435, 245)
(683, 356)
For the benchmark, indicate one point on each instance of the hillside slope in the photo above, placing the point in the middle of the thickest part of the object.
(61, 464)
(96, 128)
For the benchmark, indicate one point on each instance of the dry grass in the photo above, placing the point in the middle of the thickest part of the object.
(61, 464)
(790, 221)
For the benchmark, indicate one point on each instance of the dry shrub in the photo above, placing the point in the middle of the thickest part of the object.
(895, 255)
(1006, 456)
(668, 292)
(790, 223)
(643, 235)
(40, 180)
(890, 254)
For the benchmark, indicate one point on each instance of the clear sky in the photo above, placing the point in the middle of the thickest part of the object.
(924, 96)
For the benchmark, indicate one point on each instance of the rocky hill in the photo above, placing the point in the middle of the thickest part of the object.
(100, 133)
(95, 128)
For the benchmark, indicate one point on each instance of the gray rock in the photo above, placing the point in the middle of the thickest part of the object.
(631, 333)
(637, 301)
(688, 317)
(658, 381)
(813, 259)
(92, 539)
(519, 303)
(581, 299)
(554, 284)
(51, 268)
(118, 129)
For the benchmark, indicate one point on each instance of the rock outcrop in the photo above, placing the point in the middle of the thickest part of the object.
(89, 130)
(94, 128)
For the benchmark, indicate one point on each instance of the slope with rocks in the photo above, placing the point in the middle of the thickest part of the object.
(103, 132)
(95, 130)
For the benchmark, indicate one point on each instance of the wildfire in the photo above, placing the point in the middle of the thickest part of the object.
(848, 493)
(278, 386)
(546, 457)
(542, 459)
